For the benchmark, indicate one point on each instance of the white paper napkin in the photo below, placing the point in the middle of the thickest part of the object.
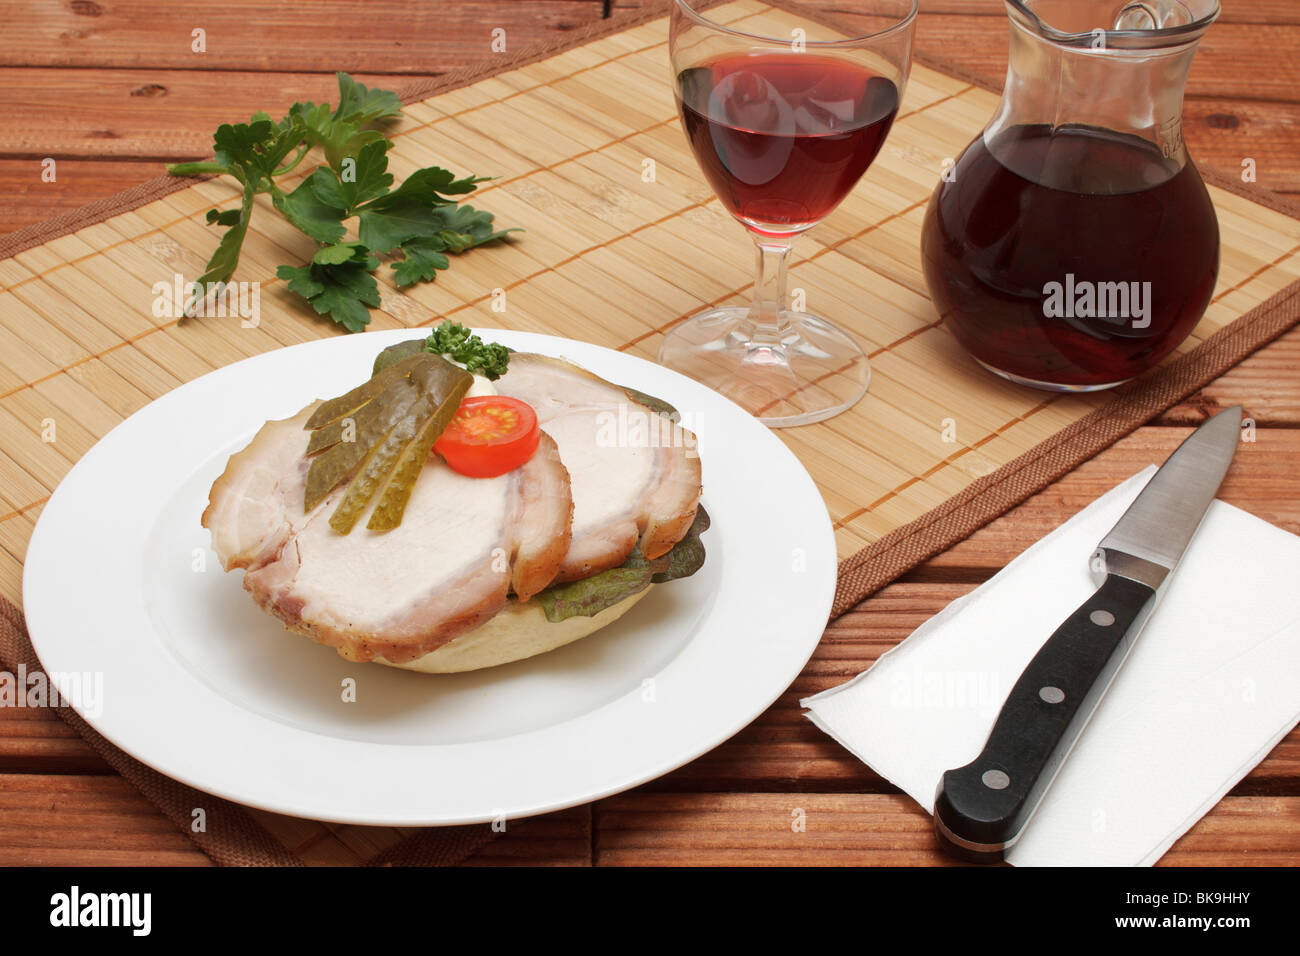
(1211, 686)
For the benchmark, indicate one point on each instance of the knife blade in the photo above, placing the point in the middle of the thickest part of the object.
(981, 809)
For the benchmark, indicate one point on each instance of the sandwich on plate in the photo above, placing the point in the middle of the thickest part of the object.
(466, 506)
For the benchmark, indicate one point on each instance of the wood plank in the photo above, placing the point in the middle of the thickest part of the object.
(100, 114)
(1265, 383)
(35, 740)
(26, 198)
(378, 36)
(1263, 480)
(101, 820)
(1234, 11)
(1227, 64)
(712, 829)
(86, 821)
(553, 839)
(245, 34)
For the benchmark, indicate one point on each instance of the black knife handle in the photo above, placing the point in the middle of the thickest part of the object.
(980, 809)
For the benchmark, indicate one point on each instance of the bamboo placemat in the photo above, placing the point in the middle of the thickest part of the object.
(614, 256)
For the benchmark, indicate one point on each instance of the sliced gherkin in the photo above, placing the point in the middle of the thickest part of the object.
(328, 435)
(381, 464)
(336, 408)
(374, 470)
(403, 407)
(392, 503)
(395, 353)
(373, 422)
(374, 386)
(656, 405)
(362, 421)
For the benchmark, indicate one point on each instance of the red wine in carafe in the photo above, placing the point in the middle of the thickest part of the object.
(1078, 257)
(783, 137)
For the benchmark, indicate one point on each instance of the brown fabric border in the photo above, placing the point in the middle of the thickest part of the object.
(233, 837)
(865, 572)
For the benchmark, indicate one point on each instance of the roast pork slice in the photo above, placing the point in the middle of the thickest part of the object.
(251, 507)
(635, 474)
(464, 545)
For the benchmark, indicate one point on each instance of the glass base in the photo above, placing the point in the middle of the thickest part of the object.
(807, 371)
(1049, 386)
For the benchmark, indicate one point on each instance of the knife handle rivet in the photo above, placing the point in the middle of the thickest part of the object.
(1102, 618)
(995, 780)
(1053, 695)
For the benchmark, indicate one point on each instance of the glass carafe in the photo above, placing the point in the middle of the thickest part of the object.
(1073, 245)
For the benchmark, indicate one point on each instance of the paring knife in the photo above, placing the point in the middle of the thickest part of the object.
(981, 809)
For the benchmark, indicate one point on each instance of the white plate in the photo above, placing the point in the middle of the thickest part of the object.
(204, 687)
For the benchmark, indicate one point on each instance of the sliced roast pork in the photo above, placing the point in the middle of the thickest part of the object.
(635, 474)
(464, 545)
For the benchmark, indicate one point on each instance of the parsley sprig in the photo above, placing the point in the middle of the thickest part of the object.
(483, 358)
(418, 222)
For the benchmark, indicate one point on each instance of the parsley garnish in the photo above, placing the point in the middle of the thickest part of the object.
(419, 220)
(455, 341)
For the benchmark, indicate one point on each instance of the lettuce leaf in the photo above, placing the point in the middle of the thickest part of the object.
(590, 596)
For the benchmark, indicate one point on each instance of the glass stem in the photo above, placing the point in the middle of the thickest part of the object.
(768, 312)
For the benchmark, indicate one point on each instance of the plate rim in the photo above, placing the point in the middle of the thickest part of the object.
(43, 560)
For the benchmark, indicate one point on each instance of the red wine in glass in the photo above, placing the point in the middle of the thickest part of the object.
(1095, 213)
(783, 123)
(783, 137)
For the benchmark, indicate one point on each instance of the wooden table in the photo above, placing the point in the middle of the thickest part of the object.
(111, 91)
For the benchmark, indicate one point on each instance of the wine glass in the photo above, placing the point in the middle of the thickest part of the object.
(783, 123)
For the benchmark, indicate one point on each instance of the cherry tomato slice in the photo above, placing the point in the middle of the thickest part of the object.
(489, 435)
